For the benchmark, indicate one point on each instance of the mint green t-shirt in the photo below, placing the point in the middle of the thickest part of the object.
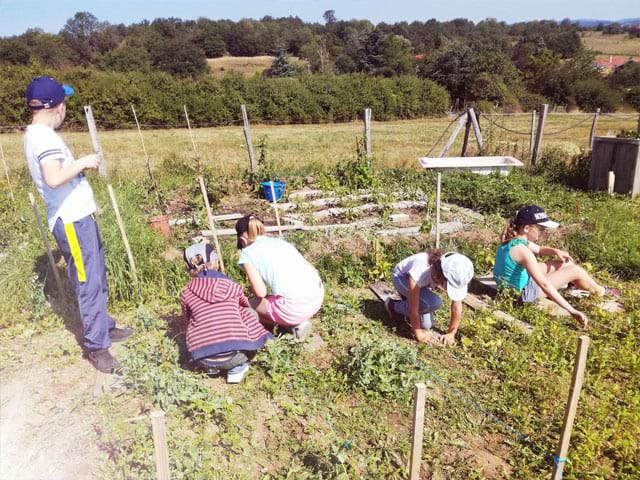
(282, 267)
(506, 271)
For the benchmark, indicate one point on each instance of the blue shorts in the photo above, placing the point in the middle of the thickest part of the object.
(530, 293)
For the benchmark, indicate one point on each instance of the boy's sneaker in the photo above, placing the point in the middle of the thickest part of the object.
(119, 334)
(236, 374)
(302, 331)
(103, 360)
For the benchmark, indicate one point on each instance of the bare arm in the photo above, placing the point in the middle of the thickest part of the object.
(456, 317)
(550, 252)
(258, 288)
(525, 257)
(55, 175)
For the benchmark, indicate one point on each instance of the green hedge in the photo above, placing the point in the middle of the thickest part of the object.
(159, 98)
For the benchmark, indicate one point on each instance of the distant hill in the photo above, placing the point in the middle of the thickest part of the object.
(590, 23)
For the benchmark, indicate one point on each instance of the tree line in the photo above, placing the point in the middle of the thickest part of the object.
(490, 64)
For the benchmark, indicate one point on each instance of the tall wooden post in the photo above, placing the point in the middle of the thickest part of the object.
(593, 127)
(6, 172)
(438, 189)
(93, 132)
(193, 142)
(123, 233)
(212, 223)
(476, 129)
(47, 245)
(159, 429)
(572, 404)
(540, 131)
(465, 143)
(418, 431)
(532, 137)
(247, 136)
(367, 131)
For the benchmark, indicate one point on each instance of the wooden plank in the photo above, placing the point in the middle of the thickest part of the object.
(247, 136)
(383, 291)
(158, 425)
(45, 240)
(438, 189)
(367, 131)
(538, 144)
(477, 131)
(448, 227)
(417, 431)
(601, 163)
(626, 166)
(474, 302)
(453, 136)
(572, 406)
(95, 141)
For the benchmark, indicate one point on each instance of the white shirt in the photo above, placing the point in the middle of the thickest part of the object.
(417, 267)
(71, 201)
(282, 267)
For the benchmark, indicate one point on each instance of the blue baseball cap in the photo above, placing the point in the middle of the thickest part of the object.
(45, 92)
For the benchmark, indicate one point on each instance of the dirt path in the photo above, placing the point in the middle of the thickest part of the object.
(46, 413)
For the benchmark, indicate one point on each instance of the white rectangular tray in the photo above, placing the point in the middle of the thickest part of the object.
(482, 165)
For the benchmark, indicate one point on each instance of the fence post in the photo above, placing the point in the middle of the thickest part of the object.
(570, 410)
(6, 172)
(538, 143)
(247, 137)
(532, 137)
(45, 240)
(467, 130)
(476, 129)
(159, 427)
(438, 190)
(93, 132)
(367, 131)
(418, 431)
(593, 127)
(454, 135)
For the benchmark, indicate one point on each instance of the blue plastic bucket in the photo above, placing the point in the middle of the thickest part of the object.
(278, 189)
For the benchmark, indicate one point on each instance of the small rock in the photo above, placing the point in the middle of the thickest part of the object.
(314, 344)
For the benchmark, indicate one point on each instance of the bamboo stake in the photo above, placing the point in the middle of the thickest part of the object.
(123, 233)
(572, 404)
(193, 142)
(6, 172)
(247, 137)
(275, 207)
(438, 189)
(212, 224)
(147, 160)
(592, 134)
(97, 149)
(45, 240)
(420, 393)
(159, 429)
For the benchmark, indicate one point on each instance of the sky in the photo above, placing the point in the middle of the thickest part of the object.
(16, 16)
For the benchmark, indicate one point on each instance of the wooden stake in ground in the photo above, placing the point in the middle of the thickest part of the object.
(247, 137)
(438, 189)
(467, 130)
(147, 161)
(593, 128)
(212, 224)
(93, 132)
(532, 138)
(193, 142)
(538, 144)
(45, 240)
(159, 428)
(367, 131)
(123, 233)
(275, 206)
(476, 130)
(6, 172)
(420, 394)
(572, 404)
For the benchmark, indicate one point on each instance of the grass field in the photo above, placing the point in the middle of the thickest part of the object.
(294, 147)
(243, 65)
(339, 408)
(621, 44)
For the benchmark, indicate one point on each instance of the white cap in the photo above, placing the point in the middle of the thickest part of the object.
(458, 270)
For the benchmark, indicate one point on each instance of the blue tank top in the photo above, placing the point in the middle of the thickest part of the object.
(506, 272)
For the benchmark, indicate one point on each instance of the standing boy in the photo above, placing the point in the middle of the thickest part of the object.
(70, 206)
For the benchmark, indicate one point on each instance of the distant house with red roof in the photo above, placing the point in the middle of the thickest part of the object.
(608, 63)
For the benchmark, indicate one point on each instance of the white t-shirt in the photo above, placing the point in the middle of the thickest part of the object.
(70, 201)
(282, 268)
(417, 267)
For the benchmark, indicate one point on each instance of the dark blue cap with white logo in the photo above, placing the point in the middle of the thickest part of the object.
(45, 92)
(534, 215)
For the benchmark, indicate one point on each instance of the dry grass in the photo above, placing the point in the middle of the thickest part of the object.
(397, 143)
(621, 44)
(244, 65)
